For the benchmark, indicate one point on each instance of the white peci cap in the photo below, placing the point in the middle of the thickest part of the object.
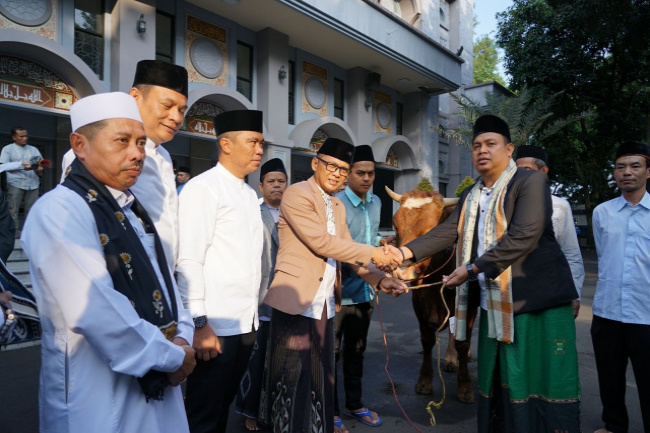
(102, 106)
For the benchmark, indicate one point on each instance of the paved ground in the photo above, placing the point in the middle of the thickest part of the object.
(19, 378)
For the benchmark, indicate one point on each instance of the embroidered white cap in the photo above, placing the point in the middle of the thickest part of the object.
(103, 106)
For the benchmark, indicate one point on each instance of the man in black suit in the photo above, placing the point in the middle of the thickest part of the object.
(509, 260)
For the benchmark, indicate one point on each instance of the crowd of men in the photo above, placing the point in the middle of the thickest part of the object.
(141, 287)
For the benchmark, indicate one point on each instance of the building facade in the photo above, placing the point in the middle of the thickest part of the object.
(369, 72)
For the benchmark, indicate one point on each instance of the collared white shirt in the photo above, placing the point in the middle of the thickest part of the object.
(219, 265)
(483, 203)
(23, 179)
(155, 189)
(91, 330)
(325, 295)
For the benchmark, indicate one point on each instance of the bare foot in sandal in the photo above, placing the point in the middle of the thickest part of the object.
(338, 426)
(251, 424)
(365, 416)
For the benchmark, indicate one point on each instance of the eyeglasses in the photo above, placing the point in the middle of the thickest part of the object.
(333, 167)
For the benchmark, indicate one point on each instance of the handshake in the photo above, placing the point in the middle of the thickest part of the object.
(387, 257)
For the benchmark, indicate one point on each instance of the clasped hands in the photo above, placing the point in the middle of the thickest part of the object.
(189, 362)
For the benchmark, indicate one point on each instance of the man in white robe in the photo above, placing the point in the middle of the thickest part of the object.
(96, 346)
(220, 268)
(160, 90)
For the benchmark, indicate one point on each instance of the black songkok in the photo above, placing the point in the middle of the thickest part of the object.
(532, 152)
(183, 170)
(274, 164)
(238, 120)
(363, 153)
(338, 149)
(163, 74)
(491, 123)
(632, 148)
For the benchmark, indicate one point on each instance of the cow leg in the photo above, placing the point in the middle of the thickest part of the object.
(465, 392)
(451, 355)
(424, 385)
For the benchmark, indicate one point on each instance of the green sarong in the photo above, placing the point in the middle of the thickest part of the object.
(532, 384)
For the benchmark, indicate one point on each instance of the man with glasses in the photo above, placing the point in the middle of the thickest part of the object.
(306, 291)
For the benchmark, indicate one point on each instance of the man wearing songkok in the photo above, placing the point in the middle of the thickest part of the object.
(273, 183)
(160, 90)
(508, 258)
(219, 267)
(115, 333)
(182, 176)
(621, 325)
(351, 323)
(298, 395)
(536, 158)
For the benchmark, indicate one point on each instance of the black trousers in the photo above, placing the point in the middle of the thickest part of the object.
(213, 384)
(351, 325)
(614, 342)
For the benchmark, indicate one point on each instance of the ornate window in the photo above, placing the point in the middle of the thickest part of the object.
(89, 34)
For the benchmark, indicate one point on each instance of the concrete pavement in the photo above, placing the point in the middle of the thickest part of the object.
(19, 377)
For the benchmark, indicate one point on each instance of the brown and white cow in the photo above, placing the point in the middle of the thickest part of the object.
(418, 213)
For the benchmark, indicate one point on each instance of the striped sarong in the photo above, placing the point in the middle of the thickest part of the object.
(532, 384)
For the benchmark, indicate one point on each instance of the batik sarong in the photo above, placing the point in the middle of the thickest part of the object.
(298, 394)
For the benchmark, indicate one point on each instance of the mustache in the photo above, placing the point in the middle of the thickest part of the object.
(138, 165)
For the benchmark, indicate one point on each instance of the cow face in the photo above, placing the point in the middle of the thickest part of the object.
(419, 212)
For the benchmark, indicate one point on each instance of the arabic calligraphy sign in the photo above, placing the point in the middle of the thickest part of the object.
(27, 83)
(199, 118)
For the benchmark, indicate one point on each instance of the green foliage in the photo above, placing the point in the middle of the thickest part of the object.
(530, 120)
(425, 185)
(486, 59)
(464, 184)
(595, 56)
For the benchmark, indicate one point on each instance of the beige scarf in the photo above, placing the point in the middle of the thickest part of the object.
(498, 290)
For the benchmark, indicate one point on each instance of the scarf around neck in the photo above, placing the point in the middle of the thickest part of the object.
(498, 290)
(128, 264)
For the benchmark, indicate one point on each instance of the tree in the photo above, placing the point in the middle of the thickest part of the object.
(530, 120)
(486, 59)
(593, 54)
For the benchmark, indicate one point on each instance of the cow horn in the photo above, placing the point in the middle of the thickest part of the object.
(395, 196)
(449, 201)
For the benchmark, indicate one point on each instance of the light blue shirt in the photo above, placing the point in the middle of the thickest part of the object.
(622, 235)
(23, 179)
(363, 223)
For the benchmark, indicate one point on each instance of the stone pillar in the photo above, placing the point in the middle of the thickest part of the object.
(128, 46)
(358, 117)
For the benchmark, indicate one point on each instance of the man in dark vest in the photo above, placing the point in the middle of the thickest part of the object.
(509, 261)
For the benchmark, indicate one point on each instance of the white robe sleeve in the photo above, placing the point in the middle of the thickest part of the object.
(196, 216)
(68, 266)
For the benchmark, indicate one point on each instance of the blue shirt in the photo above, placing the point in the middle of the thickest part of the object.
(363, 223)
(622, 235)
(23, 179)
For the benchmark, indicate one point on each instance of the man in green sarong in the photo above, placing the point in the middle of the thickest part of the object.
(509, 261)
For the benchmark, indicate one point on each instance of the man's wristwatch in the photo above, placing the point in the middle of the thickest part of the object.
(201, 321)
(470, 273)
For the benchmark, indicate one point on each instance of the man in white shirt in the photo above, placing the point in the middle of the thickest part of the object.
(23, 177)
(536, 158)
(219, 268)
(160, 90)
(115, 334)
